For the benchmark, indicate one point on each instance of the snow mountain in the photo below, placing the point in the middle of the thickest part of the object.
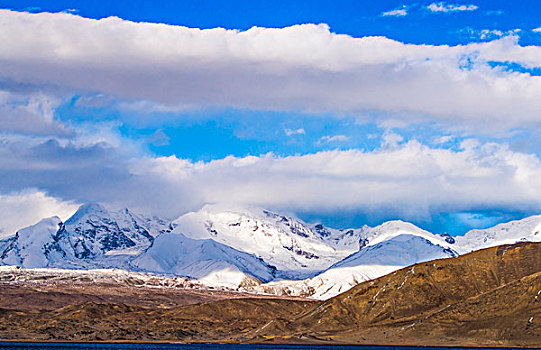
(388, 247)
(206, 260)
(525, 230)
(94, 237)
(28, 248)
(243, 247)
(375, 261)
(293, 247)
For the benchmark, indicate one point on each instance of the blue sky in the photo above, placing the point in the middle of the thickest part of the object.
(356, 18)
(351, 112)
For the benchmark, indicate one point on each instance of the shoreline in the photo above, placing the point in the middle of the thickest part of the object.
(315, 343)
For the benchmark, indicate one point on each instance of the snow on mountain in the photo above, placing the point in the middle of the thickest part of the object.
(294, 248)
(93, 231)
(391, 229)
(314, 252)
(234, 247)
(16, 275)
(374, 261)
(208, 261)
(528, 229)
(28, 246)
(93, 237)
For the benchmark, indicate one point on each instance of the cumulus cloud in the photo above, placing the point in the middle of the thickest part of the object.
(442, 7)
(21, 209)
(299, 68)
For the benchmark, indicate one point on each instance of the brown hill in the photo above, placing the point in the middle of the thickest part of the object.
(485, 297)
(225, 320)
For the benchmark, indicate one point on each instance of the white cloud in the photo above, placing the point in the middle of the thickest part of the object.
(443, 139)
(489, 34)
(403, 179)
(390, 140)
(299, 68)
(334, 138)
(537, 30)
(30, 113)
(291, 132)
(446, 8)
(18, 210)
(409, 180)
(400, 12)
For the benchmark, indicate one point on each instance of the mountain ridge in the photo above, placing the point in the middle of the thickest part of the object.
(250, 248)
(486, 294)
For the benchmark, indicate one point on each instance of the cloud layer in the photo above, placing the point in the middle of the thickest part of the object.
(298, 68)
(410, 180)
(401, 179)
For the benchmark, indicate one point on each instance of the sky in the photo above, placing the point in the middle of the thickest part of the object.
(345, 112)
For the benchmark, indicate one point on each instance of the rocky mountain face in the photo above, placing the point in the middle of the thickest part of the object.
(239, 247)
(92, 237)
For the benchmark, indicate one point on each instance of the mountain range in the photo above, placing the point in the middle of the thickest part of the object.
(487, 298)
(244, 248)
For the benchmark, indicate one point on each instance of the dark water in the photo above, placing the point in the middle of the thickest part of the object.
(87, 346)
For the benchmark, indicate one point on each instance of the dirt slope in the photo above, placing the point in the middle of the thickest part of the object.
(486, 297)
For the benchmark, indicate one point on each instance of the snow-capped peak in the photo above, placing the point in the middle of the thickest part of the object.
(527, 229)
(394, 228)
(87, 210)
(282, 241)
(28, 246)
(93, 237)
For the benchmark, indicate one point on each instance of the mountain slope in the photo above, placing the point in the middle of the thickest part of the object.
(29, 245)
(388, 247)
(210, 262)
(224, 321)
(525, 230)
(93, 237)
(295, 249)
(375, 261)
(510, 313)
(403, 299)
